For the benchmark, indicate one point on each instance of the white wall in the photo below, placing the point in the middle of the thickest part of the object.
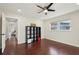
(67, 37)
(22, 22)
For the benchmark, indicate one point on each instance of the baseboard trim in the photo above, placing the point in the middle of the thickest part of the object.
(64, 43)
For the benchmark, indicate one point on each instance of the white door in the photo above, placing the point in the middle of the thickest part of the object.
(0, 33)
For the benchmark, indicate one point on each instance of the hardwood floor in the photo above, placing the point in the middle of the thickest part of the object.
(45, 47)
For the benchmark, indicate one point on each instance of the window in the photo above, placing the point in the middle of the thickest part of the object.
(61, 25)
(65, 25)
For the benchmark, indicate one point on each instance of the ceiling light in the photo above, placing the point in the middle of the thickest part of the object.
(19, 10)
(45, 11)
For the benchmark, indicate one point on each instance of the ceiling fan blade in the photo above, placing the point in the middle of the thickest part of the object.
(41, 11)
(50, 10)
(40, 7)
(49, 5)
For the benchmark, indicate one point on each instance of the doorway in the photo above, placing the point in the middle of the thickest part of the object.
(11, 35)
(11, 27)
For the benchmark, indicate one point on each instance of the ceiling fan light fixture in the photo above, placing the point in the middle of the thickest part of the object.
(45, 11)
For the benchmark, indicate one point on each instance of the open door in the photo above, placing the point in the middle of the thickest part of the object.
(0, 35)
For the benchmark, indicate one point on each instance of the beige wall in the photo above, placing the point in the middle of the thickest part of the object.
(67, 37)
(22, 22)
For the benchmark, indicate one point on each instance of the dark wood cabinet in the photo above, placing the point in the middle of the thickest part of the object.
(33, 33)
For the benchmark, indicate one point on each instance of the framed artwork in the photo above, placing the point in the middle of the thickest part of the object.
(54, 26)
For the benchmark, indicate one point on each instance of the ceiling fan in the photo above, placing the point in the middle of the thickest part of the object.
(45, 9)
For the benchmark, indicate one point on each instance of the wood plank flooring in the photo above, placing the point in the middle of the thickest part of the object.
(45, 47)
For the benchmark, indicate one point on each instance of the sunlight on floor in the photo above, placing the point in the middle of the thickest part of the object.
(53, 51)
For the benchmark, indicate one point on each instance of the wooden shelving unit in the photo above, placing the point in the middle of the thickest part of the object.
(32, 33)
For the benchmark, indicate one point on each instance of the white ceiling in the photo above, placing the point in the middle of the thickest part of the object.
(31, 10)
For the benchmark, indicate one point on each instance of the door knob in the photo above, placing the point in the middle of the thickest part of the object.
(2, 34)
